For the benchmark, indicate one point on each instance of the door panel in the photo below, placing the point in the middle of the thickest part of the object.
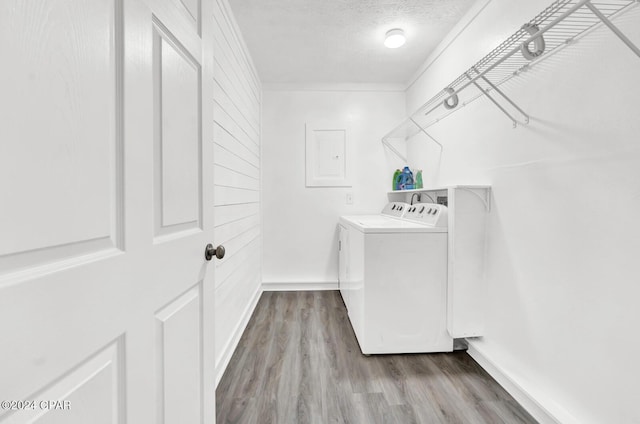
(192, 7)
(177, 138)
(106, 300)
(179, 350)
(92, 390)
(60, 98)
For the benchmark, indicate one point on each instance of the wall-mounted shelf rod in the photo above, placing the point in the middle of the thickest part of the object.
(510, 53)
(532, 38)
(613, 28)
(556, 27)
(394, 150)
(486, 93)
(427, 134)
(504, 96)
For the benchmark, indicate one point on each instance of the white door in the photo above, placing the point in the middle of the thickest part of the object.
(105, 210)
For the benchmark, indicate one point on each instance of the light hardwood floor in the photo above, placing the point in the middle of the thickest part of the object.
(299, 362)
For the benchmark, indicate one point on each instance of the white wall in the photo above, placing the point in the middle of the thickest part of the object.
(300, 223)
(564, 236)
(237, 93)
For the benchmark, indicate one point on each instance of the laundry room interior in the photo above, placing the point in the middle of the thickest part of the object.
(558, 260)
(440, 230)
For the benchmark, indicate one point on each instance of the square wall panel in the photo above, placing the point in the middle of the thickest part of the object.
(326, 156)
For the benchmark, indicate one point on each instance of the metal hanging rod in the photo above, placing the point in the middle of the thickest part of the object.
(613, 28)
(554, 28)
(556, 14)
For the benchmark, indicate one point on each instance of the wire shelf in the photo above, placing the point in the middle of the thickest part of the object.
(552, 29)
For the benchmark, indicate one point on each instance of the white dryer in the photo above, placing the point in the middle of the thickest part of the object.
(393, 278)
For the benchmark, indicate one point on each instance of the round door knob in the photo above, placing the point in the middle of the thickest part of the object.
(210, 252)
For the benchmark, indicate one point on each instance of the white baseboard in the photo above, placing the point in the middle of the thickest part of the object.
(541, 409)
(299, 286)
(221, 366)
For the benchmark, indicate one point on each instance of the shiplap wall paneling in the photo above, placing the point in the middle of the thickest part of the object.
(237, 95)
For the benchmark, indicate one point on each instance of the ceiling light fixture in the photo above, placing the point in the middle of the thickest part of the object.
(394, 38)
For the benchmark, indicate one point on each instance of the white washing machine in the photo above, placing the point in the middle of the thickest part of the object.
(393, 278)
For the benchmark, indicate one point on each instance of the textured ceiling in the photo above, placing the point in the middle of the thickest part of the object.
(341, 41)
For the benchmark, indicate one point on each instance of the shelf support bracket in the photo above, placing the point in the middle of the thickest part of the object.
(613, 28)
(504, 96)
(494, 101)
(486, 200)
(394, 150)
(426, 133)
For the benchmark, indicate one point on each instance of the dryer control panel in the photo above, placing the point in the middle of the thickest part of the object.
(395, 209)
(428, 214)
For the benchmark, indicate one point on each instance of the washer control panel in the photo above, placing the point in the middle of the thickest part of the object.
(427, 213)
(395, 209)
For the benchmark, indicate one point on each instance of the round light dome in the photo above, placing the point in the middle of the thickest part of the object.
(394, 38)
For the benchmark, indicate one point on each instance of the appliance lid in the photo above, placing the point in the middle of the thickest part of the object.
(385, 224)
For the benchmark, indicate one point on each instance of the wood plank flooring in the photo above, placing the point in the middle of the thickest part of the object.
(299, 362)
